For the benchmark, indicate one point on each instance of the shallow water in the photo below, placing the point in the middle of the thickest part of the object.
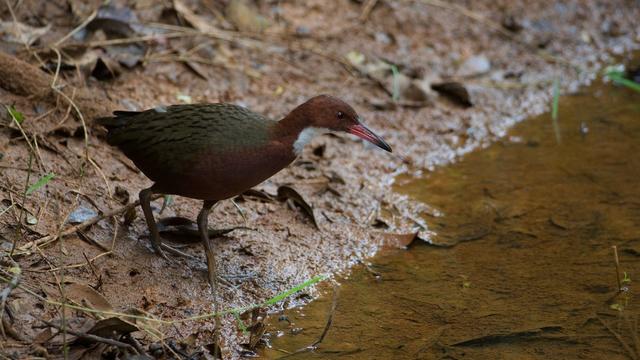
(528, 269)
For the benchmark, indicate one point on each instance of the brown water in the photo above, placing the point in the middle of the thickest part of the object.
(531, 274)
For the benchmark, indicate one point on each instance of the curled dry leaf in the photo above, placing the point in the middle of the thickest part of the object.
(454, 91)
(86, 296)
(289, 194)
(115, 21)
(112, 327)
(256, 194)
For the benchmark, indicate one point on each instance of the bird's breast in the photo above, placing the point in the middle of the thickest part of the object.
(217, 174)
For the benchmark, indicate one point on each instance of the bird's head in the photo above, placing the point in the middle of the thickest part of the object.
(324, 113)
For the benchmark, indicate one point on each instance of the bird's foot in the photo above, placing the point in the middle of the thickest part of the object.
(177, 252)
(183, 227)
(161, 249)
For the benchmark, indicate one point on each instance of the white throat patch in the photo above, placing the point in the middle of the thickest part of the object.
(305, 137)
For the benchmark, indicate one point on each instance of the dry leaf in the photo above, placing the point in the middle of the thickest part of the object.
(454, 91)
(86, 296)
(112, 328)
(287, 193)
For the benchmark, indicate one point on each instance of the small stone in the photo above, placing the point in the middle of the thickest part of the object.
(475, 65)
(303, 31)
(81, 214)
(382, 37)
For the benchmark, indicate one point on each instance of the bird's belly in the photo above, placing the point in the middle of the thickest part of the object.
(221, 176)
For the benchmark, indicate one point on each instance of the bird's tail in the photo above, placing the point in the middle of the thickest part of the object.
(118, 120)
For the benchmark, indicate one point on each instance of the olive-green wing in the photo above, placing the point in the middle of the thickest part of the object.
(174, 133)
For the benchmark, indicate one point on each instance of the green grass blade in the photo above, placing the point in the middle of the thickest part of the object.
(40, 183)
(293, 290)
(16, 115)
(618, 78)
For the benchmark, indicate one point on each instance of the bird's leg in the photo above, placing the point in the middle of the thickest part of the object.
(203, 219)
(145, 202)
(204, 235)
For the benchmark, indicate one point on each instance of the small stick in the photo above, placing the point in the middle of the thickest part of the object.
(315, 344)
(135, 344)
(617, 260)
(91, 337)
(334, 302)
(81, 226)
(631, 353)
(368, 6)
(24, 197)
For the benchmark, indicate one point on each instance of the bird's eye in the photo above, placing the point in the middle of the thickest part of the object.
(340, 115)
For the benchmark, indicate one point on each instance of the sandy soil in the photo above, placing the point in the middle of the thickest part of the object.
(308, 48)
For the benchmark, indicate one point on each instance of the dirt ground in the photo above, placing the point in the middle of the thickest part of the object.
(384, 57)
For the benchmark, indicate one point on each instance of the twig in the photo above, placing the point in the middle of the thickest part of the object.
(315, 344)
(617, 261)
(366, 9)
(81, 226)
(135, 344)
(24, 198)
(24, 134)
(334, 302)
(630, 351)
(91, 337)
(74, 266)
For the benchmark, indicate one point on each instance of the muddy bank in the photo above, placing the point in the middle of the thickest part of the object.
(302, 53)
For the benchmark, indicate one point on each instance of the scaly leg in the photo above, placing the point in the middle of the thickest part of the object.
(211, 267)
(145, 202)
(204, 235)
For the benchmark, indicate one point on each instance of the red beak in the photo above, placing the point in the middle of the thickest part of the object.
(363, 132)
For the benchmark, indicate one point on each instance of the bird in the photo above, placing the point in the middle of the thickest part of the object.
(214, 151)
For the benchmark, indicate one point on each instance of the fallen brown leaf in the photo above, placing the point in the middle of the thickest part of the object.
(454, 91)
(289, 194)
(86, 296)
